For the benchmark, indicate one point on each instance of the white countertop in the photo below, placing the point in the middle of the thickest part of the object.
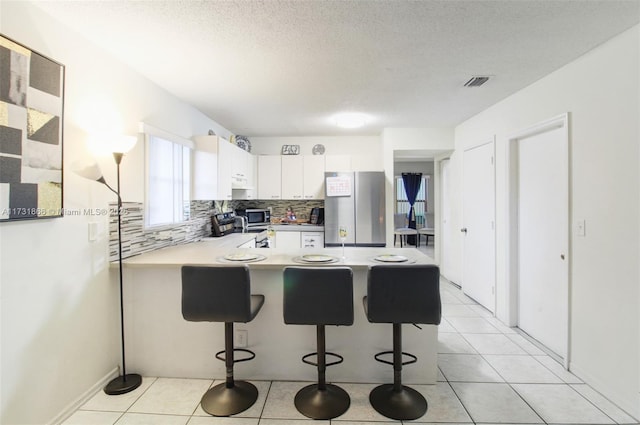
(212, 251)
(303, 227)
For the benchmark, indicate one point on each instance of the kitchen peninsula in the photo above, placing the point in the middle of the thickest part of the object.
(160, 342)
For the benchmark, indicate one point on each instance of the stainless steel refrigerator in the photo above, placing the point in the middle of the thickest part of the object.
(355, 200)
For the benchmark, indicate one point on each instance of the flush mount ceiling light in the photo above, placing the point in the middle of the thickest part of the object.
(351, 119)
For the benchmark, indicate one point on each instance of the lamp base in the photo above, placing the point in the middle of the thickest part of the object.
(123, 384)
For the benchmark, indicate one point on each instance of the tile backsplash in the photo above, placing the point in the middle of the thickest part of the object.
(301, 208)
(137, 240)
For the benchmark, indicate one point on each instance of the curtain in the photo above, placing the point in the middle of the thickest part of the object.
(412, 183)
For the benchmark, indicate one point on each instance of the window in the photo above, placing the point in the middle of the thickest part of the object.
(420, 207)
(168, 171)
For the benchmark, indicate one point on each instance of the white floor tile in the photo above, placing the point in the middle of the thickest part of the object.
(117, 403)
(254, 411)
(467, 368)
(445, 327)
(558, 369)
(501, 326)
(171, 396)
(525, 345)
(294, 422)
(149, 419)
(494, 403)
(213, 420)
(603, 404)
(360, 409)
(559, 403)
(449, 343)
(443, 404)
(441, 377)
(478, 325)
(279, 403)
(482, 312)
(493, 344)
(87, 417)
(521, 369)
(449, 298)
(457, 310)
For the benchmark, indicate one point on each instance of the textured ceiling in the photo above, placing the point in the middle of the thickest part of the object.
(277, 68)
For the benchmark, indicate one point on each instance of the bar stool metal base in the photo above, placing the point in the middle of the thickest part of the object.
(315, 403)
(405, 404)
(123, 384)
(223, 401)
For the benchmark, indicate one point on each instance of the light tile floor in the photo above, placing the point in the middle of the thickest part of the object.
(488, 373)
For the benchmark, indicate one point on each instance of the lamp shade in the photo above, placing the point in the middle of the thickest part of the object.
(123, 144)
(89, 171)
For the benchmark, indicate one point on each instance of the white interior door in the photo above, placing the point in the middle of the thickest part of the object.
(479, 258)
(446, 223)
(543, 238)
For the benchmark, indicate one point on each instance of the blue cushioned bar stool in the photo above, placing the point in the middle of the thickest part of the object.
(222, 294)
(319, 296)
(400, 294)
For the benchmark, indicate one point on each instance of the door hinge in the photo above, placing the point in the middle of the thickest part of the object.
(492, 160)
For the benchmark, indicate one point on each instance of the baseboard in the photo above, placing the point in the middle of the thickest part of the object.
(629, 404)
(84, 397)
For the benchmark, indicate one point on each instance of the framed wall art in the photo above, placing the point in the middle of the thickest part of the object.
(31, 118)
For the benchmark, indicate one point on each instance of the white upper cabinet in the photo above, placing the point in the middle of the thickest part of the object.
(211, 175)
(269, 177)
(314, 167)
(303, 177)
(292, 176)
(240, 168)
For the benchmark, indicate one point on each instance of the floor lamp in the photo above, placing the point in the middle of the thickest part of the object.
(125, 382)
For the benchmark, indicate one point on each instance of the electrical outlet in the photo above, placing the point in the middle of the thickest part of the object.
(241, 338)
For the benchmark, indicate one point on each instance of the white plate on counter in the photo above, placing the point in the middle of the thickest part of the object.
(316, 259)
(242, 257)
(391, 258)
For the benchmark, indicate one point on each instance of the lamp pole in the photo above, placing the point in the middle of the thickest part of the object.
(123, 383)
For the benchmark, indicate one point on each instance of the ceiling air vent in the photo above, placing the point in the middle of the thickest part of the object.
(476, 81)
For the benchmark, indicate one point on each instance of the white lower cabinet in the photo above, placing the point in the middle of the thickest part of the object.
(248, 244)
(311, 240)
(287, 240)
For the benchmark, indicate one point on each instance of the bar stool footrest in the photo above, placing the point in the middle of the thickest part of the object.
(382, 353)
(338, 356)
(252, 355)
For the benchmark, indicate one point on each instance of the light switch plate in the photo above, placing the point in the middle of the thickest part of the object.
(581, 228)
(93, 232)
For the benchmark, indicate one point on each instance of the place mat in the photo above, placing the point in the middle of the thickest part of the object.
(241, 257)
(316, 259)
(392, 258)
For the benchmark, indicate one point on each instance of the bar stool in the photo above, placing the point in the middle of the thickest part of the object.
(319, 296)
(401, 294)
(222, 294)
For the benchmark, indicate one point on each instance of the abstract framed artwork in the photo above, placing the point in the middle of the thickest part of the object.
(31, 120)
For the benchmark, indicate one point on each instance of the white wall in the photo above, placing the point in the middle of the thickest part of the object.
(365, 151)
(600, 91)
(60, 316)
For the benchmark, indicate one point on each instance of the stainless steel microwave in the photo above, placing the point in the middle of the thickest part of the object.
(256, 217)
